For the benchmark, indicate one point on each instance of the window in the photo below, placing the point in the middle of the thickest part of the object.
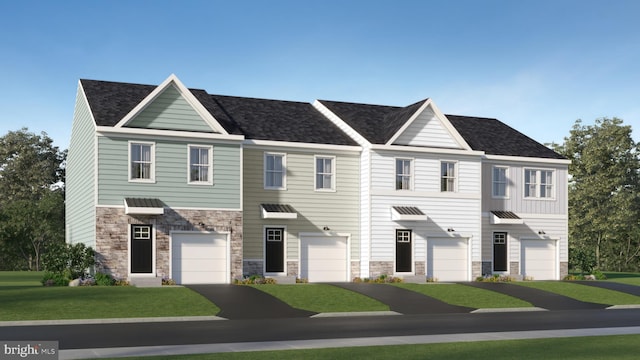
(403, 236)
(499, 182)
(200, 165)
(141, 159)
(141, 232)
(274, 171)
(274, 234)
(448, 176)
(403, 174)
(538, 183)
(325, 173)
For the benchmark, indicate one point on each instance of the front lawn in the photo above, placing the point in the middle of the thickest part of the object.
(322, 298)
(578, 348)
(624, 278)
(583, 292)
(466, 296)
(20, 278)
(97, 302)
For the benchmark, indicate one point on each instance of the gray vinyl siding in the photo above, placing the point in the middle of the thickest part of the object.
(338, 210)
(171, 185)
(80, 177)
(516, 201)
(170, 111)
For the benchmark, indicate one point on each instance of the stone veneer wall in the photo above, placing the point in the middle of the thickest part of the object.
(514, 268)
(252, 267)
(292, 269)
(476, 269)
(355, 269)
(112, 236)
(420, 268)
(486, 268)
(564, 269)
(377, 268)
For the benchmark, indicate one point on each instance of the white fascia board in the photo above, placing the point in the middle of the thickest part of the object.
(173, 80)
(494, 220)
(143, 211)
(84, 96)
(408, 122)
(430, 150)
(186, 135)
(395, 216)
(528, 159)
(278, 215)
(452, 130)
(352, 133)
(295, 145)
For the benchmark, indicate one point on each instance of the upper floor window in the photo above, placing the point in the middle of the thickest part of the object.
(325, 173)
(274, 171)
(538, 183)
(499, 182)
(200, 165)
(141, 161)
(403, 174)
(448, 176)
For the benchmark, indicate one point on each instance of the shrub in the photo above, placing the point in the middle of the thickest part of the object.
(75, 258)
(494, 278)
(432, 279)
(382, 279)
(302, 280)
(56, 279)
(573, 277)
(599, 275)
(102, 279)
(255, 279)
(167, 281)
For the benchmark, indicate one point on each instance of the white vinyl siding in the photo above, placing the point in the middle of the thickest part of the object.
(427, 131)
(275, 171)
(200, 165)
(141, 162)
(403, 174)
(325, 173)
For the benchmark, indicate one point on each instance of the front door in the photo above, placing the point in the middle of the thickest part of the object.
(141, 249)
(403, 251)
(500, 251)
(274, 250)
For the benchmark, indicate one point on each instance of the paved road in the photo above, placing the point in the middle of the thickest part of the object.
(233, 331)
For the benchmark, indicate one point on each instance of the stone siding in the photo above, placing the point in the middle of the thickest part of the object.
(377, 268)
(514, 268)
(564, 269)
(112, 236)
(476, 269)
(420, 268)
(486, 268)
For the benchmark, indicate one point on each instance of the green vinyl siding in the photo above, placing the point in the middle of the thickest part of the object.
(80, 177)
(171, 183)
(170, 111)
(338, 210)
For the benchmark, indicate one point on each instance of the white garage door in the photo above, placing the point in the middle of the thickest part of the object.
(323, 258)
(538, 259)
(199, 258)
(447, 259)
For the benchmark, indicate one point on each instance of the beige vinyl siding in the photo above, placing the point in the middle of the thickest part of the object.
(339, 210)
(170, 111)
(427, 130)
(170, 175)
(516, 201)
(80, 177)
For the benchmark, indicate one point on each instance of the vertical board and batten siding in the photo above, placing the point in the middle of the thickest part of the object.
(338, 210)
(170, 111)
(427, 130)
(80, 177)
(171, 166)
(516, 201)
(463, 215)
(554, 228)
(426, 171)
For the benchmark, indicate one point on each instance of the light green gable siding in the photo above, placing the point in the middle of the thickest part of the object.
(170, 174)
(338, 210)
(80, 177)
(170, 111)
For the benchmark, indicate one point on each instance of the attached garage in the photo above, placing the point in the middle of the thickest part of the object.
(324, 258)
(448, 259)
(538, 259)
(199, 258)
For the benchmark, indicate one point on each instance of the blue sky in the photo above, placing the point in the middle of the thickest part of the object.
(536, 65)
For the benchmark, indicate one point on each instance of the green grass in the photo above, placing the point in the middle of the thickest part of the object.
(97, 302)
(467, 296)
(577, 348)
(20, 278)
(583, 292)
(322, 298)
(624, 278)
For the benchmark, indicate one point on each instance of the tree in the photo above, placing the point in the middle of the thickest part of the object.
(604, 202)
(32, 202)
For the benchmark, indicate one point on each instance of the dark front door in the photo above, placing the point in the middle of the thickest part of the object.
(274, 249)
(500, 251)
(141, 249)
(403, 251)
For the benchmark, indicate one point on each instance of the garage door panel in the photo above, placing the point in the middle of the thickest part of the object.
(538, 259)
(199, 258)
(447, 259)
(323, 259)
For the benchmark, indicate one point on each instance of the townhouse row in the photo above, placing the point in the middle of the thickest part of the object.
(170, 182)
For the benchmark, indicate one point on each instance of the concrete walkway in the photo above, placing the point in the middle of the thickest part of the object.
(244, 302)
(538, 298)
(333, 343)
(403, 301)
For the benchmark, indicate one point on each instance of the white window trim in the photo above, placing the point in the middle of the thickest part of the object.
(152, 178)
(506, 185)
(411, 173)
(333, 173)
(284, 171)
(264, 249)
(455, 177)
(210, 165)
(539, 184)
